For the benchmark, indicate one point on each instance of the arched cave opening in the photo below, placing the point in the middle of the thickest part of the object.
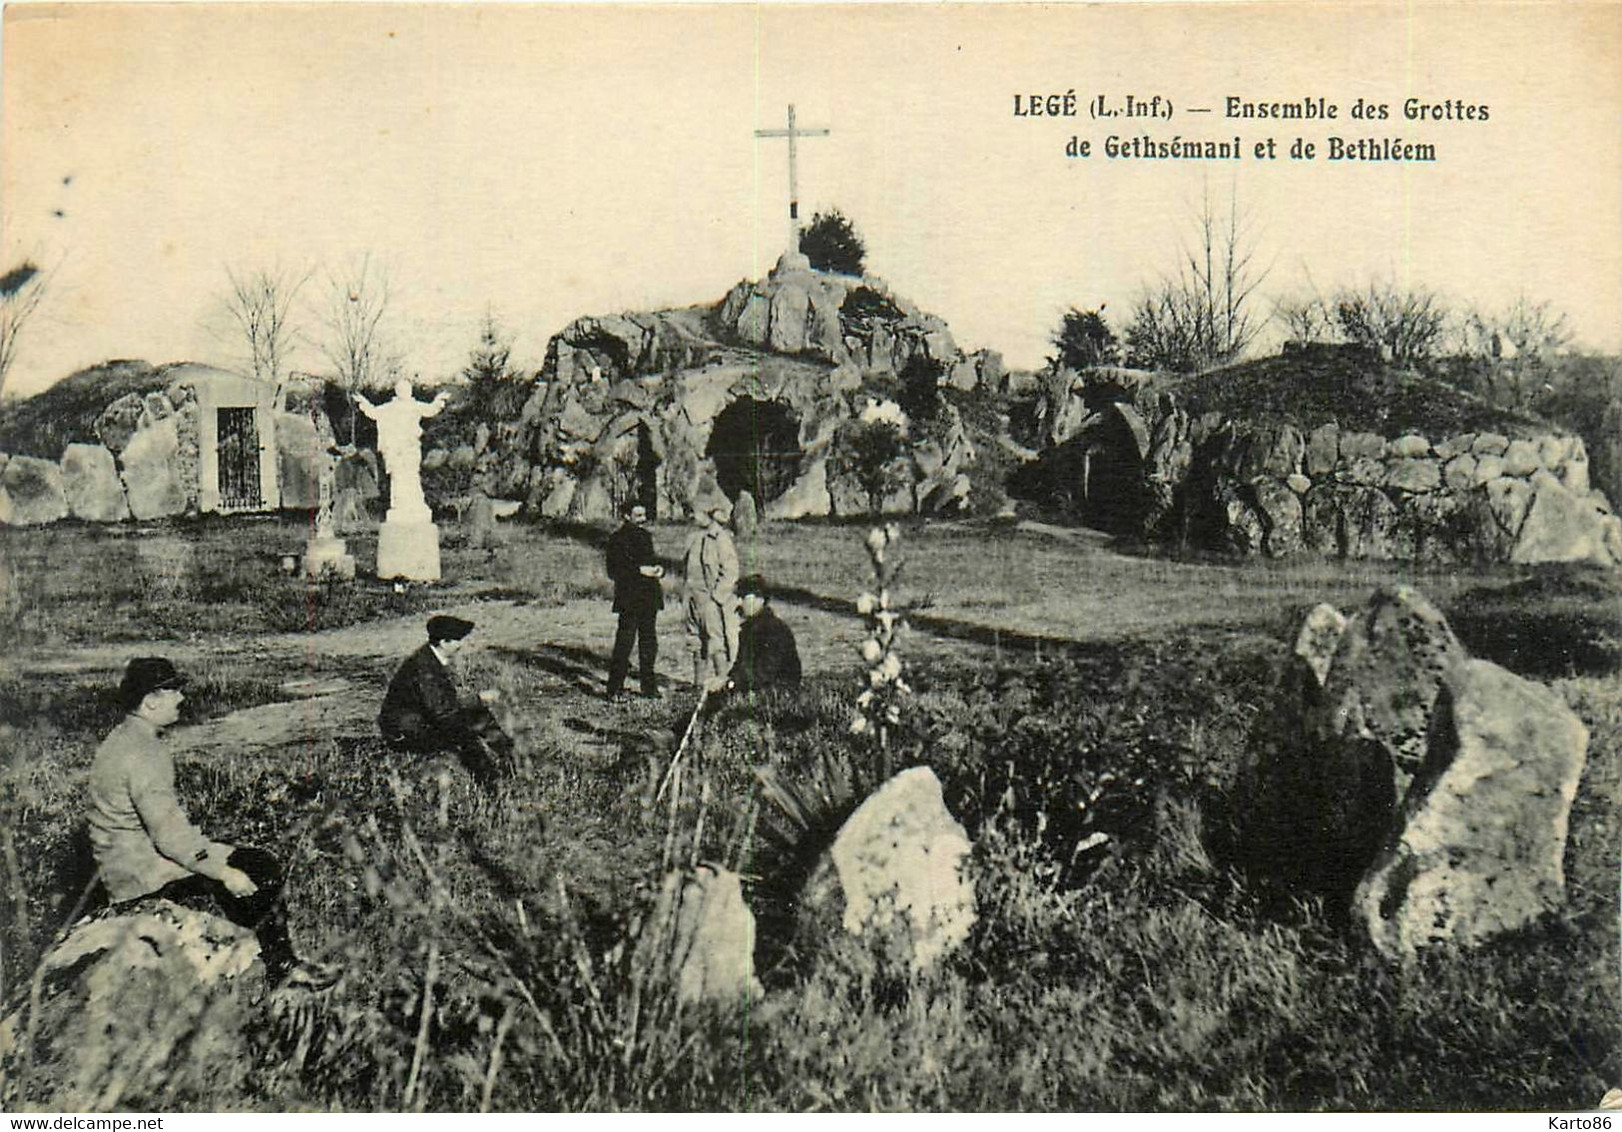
(756, 448)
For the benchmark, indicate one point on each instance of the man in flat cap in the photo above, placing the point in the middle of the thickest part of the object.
(767, 654)
(146, 846)
(421, 713)
(710, 565)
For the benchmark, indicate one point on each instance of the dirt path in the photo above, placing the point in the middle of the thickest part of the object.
(334, 680)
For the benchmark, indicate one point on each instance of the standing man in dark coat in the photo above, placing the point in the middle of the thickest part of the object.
(421, 713)
(638, 597)
(767, 655)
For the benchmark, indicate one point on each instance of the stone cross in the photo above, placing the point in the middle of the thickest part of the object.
(792, 133)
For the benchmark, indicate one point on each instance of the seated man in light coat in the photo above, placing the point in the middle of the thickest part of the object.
(146, 846)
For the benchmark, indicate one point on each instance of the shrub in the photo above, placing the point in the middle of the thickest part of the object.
(831, 243)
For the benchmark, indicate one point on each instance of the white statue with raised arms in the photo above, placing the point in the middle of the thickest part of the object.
(399, 440)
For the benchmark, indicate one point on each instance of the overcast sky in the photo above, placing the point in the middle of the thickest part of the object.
(548, 163)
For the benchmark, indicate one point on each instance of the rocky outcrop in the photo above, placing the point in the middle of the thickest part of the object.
(31, 492)
(846, 320)
(1396, 776)
(895, 872)
(750, 394)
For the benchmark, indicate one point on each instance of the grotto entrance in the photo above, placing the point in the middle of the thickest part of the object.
(756, 448)
(1095, 478)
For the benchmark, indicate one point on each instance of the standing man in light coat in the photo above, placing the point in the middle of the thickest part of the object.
(711, 570)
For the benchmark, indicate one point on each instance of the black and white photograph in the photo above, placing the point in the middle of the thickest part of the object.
(808, 558)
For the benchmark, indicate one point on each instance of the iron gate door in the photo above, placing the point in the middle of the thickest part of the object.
(239, 460)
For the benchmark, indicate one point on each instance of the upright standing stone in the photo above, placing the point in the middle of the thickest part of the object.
(90, 479)
(701, 937)
(407, 540)
(896, 867)
(745, 519)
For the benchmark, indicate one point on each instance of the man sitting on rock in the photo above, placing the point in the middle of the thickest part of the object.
(146, 846)
(421, 713)
(767, 655)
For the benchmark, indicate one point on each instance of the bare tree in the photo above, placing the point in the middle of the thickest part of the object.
(1406, 325)
(22, 289)
(1307, 317)
(1517, 345)
(260, 304)
(356, 303)
(1203, 315)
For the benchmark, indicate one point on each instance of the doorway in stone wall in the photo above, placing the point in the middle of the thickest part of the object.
(756, 448)
(238, 451)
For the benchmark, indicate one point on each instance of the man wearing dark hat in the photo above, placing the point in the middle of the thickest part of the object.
(767, 655)
(146, 846)
(638, 598)
(422, 714)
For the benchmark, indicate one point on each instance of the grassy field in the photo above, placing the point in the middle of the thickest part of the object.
(1063, 690)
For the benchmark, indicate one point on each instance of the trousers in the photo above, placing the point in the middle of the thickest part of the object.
(716, 623)
(263, 913)
(635, 626)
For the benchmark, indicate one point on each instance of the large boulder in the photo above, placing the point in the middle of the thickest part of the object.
(1349, 520)
(1561, 526)
(128, 992)
(118, 422)
(700, 937)
(895, 872)
(31, 492)
(152, 472)
(90, 481)
(1483, 829)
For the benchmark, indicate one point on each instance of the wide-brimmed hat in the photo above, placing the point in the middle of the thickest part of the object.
(145, 675)
(443, 627)
(754, 584)
(718, 505)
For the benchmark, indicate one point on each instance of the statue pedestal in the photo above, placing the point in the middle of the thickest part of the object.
(328, 556)
(408, 548)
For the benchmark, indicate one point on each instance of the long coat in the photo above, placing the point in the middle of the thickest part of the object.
(421, 706)
(629, 549)
(767, 655)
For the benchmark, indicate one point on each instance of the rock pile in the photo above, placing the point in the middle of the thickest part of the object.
(1270, 488)
(1397, 776)
(655, 406)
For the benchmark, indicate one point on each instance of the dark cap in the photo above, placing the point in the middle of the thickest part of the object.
(145, 675)
(754, 584)
(446, 628)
